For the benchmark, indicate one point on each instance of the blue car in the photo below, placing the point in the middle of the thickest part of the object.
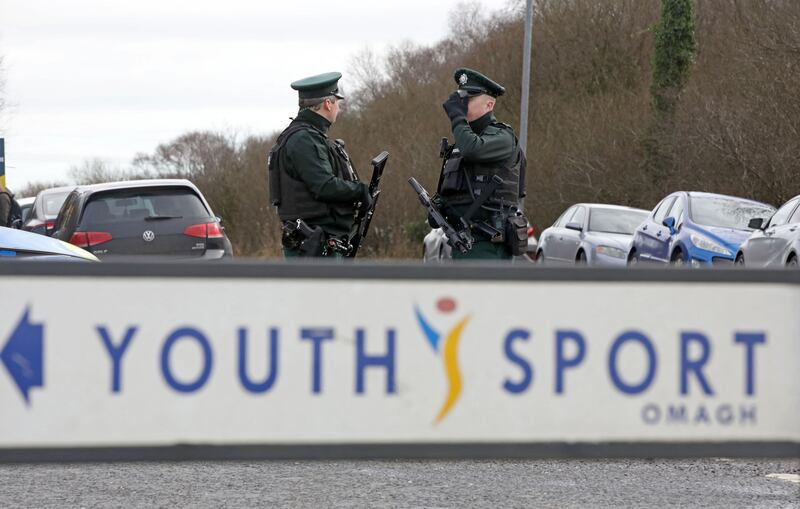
(21, 245)
(699, 229)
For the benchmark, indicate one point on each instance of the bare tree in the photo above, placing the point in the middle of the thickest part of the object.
(96, 171)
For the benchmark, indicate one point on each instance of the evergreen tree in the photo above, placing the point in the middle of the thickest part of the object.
(675, 47)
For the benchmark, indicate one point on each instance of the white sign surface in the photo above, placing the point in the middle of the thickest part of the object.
(151, 361)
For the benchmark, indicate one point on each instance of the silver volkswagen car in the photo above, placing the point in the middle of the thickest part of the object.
(592, 234)
(776, 242)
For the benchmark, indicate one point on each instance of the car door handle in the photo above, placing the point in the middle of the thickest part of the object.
(793, 228)
(658, 234)
(644, 227)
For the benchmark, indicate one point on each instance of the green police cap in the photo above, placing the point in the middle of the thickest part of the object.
(321, 85)
(475, 83)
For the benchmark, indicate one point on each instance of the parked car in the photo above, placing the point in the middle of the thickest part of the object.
(21, 245)
(435, 248)
(592, 234)
(26, 206)
(44, 210)
(143, 217)
(700, 229)
(774, 242)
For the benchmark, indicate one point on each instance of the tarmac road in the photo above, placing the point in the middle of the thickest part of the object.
(541, 483)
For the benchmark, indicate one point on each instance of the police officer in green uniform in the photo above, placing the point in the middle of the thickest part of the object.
(485, 148)
(311, 176)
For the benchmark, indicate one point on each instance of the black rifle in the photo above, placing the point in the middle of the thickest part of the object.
(364, 215)
(460, 238)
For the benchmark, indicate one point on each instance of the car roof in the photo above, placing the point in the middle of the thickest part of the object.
(20, 240)
(612, 207)
(26, 201)
(700, 194)
(133, 184)
(55, 190)
(88, 190)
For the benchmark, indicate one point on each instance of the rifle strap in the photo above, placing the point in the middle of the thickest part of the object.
(478, 203)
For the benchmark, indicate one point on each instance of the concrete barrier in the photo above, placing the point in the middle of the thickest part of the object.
(249, 360)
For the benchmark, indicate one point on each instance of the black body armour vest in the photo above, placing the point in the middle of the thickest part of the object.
(290, 195)
(462, 181)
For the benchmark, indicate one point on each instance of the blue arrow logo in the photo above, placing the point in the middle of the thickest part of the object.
(23, 356)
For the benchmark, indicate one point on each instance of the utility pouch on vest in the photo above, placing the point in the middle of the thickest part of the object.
(314, 243)
(453, 178)
(297, 235)
(517, 234)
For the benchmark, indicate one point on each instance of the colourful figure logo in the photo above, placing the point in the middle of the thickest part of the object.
(449, 352)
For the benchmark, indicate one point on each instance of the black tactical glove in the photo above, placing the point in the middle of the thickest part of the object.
(456, 106)
(367, 201)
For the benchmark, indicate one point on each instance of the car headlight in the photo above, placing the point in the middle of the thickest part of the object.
(707, 244)
(613, 252)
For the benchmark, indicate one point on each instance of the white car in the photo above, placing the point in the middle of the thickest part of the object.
(590, 234)
(435, 248)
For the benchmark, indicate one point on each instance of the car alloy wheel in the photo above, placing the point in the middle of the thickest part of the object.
(677, 259)
(792, 263)
(633, 259)
(581, 260)
(739, 261)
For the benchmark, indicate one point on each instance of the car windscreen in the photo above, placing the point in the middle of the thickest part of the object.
(615, 221)
(52, 202)
(143, 204)
(725, 212)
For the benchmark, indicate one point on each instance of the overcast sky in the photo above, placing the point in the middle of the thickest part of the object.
(110, 79)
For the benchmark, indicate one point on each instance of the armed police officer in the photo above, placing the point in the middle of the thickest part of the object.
(480, 184)
(311, 179)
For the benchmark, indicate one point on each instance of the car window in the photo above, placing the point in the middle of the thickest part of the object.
(783, 213)
(726, 212)
(52, 202)
(677, 211)
(141, 204)
(26, 212)
(68, 212)
(661, 213)
(579, 216)
(564, 219)
(796, 216)
(615, 221)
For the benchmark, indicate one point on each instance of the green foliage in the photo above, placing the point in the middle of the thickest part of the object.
(675, 48)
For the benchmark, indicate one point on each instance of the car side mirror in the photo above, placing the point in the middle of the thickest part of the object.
(757, 223)
(669, 222)
(574, 226)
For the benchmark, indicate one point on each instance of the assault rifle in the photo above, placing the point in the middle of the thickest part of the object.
(364, 215)
(460, 238)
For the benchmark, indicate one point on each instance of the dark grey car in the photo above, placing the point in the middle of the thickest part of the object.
(590, 233)
(145, 217)
(42, 216)
(776, 242)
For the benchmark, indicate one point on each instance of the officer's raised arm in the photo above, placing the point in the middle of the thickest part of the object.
(470, 110)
